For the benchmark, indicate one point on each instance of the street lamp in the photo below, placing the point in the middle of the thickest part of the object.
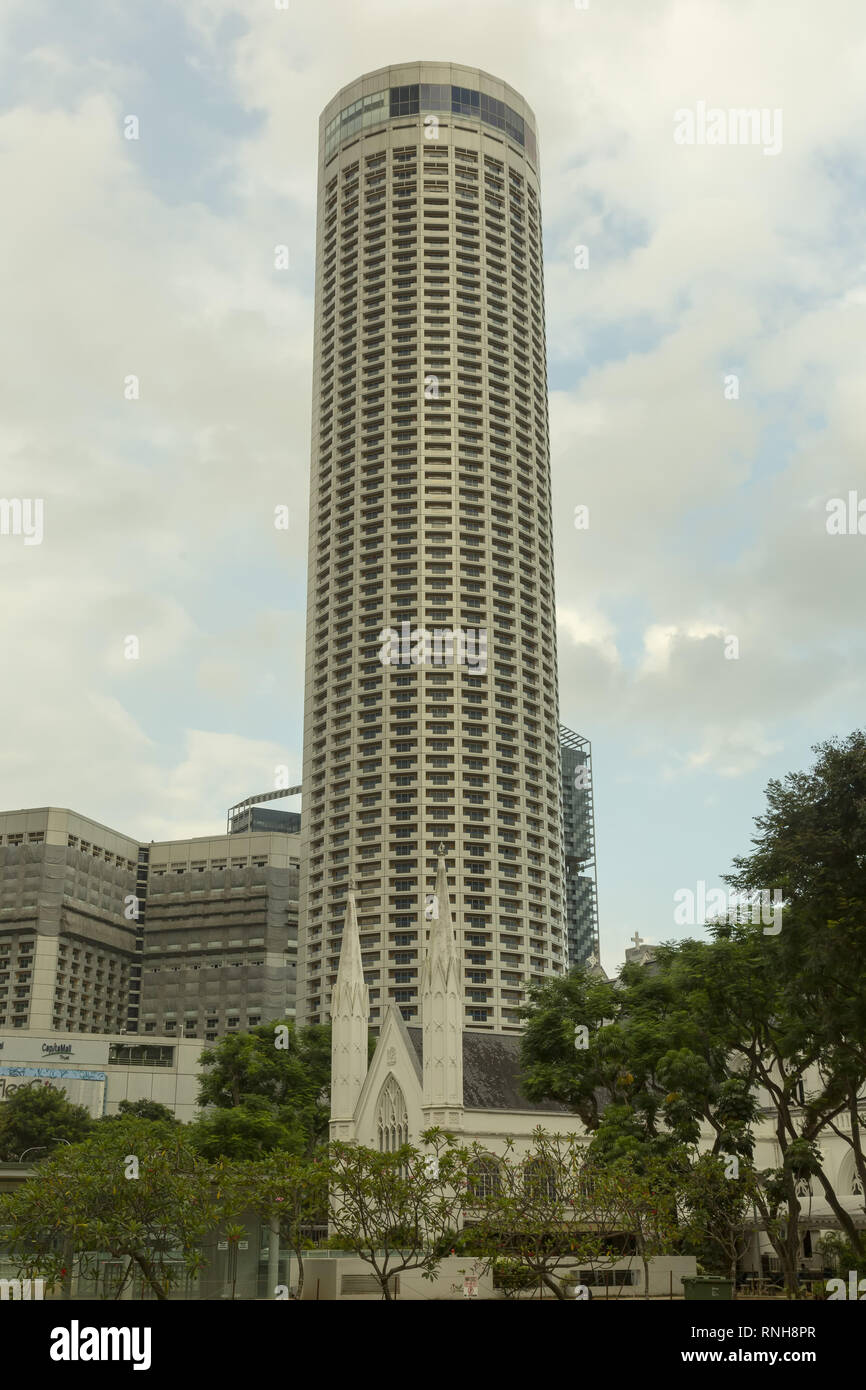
(34, 1148)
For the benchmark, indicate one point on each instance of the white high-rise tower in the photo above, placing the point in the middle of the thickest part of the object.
(430, 512)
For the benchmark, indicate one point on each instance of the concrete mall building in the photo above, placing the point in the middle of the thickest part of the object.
(430, 513)
(99, 1071)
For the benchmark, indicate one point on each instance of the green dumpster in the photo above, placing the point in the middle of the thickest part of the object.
(706, 1287)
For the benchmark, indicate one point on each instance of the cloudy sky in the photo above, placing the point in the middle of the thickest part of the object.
(707, 497)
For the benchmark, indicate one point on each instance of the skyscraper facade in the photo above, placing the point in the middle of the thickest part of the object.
(431, 708)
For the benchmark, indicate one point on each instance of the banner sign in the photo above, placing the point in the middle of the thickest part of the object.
(85, 1088)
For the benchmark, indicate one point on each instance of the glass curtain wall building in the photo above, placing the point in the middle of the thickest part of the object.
(578, 837)
(431, 710)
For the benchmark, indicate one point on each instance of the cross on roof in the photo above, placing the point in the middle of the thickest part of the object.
(637, 939)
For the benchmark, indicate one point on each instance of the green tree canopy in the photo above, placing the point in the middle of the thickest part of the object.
(394, 1210)
(248, 1131)
(635, 1061)
(147, 1110)
(40, 1118)
(811, 844)
(280, 1075)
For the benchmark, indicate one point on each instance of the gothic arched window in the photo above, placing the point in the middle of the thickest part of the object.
(392, 1120)
(849, 1184)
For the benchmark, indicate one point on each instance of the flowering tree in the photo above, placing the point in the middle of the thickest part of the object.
(396, 1210)
(135, 1188)
(547, 1210)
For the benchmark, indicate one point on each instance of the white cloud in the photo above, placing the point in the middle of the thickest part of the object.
(589, 629)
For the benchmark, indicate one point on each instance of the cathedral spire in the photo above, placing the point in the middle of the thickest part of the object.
(441, 958)
(350, 1012)
(441, 1007)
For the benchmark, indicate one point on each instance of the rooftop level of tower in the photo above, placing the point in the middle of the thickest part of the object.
(434, 89)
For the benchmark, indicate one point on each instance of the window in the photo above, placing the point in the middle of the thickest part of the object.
(484, 1179)
(392, 1120)
(539, 1181)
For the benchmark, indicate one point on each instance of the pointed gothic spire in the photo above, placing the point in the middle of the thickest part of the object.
(350, 1012)
(441, 1009)
(442, 948)
(350, 988)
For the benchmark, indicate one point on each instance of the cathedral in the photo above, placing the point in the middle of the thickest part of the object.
(467, 1083)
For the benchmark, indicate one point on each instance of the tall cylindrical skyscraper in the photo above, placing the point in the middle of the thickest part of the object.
(431, 708)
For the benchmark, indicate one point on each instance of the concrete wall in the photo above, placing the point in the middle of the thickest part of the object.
(342, 1276)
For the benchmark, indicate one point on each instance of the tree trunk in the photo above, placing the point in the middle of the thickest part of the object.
(790, 1249)
(844, 1218)
(553, 1284)
(146, 1268)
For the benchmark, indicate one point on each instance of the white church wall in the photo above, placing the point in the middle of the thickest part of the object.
(492, 1127)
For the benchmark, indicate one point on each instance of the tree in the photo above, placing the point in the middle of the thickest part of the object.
(735, 991)
(688, 1048)
(281, 1188)
(40, 1118)
(393, 1209)
(147, 1110)
(633, 1061)
(811, 845)
(547, 1210)
(246, 1131)
(713, 1201)
(278, 1067)
(643, 1191)
(133, 1188)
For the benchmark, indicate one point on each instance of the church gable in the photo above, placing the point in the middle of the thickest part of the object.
(395, 1059)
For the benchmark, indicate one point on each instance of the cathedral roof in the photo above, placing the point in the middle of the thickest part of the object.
(491, 1073)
